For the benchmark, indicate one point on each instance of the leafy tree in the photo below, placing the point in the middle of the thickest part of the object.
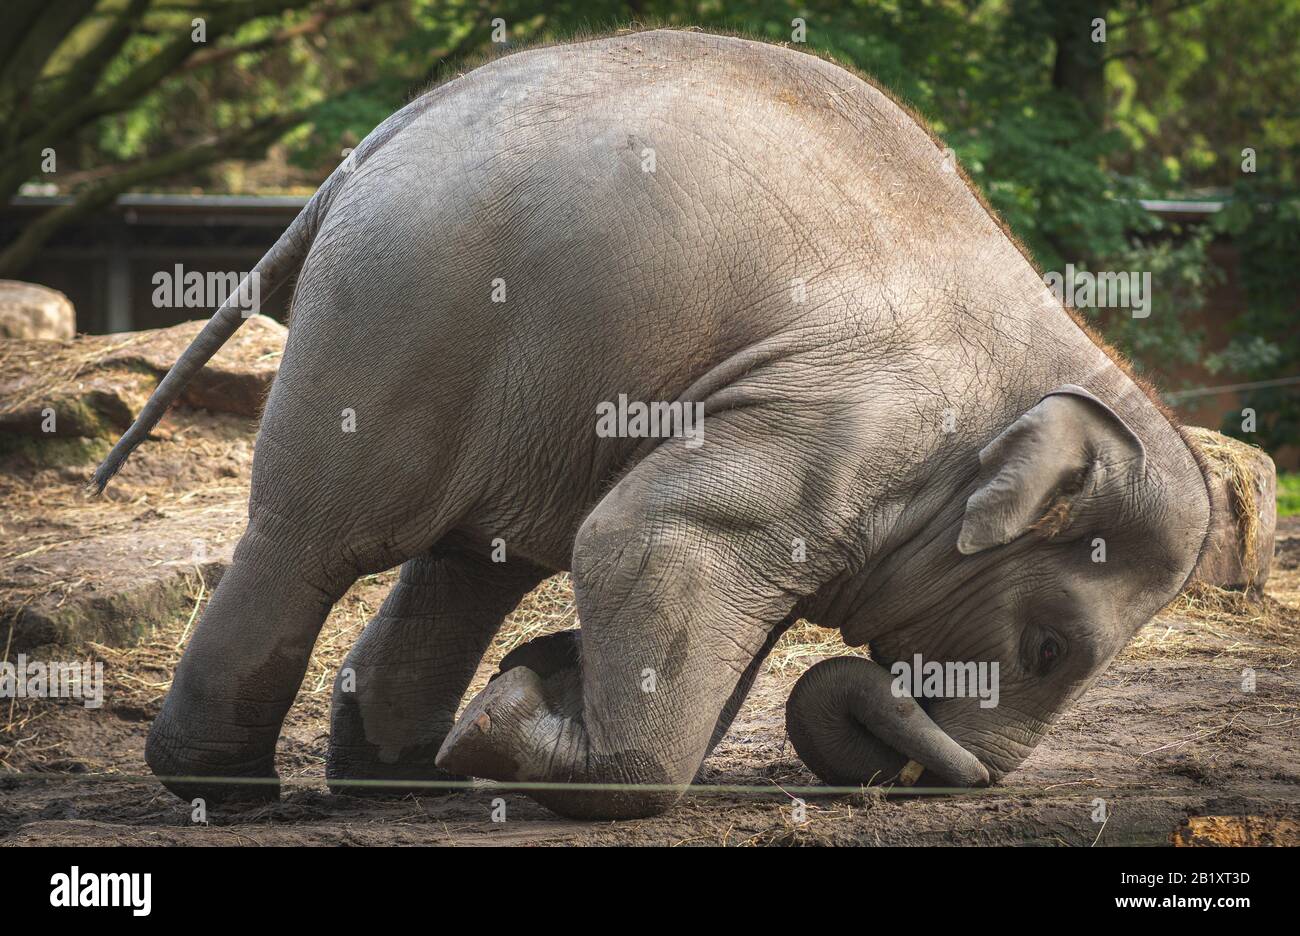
(1264, 221)
(1063, 132)
(77, 67)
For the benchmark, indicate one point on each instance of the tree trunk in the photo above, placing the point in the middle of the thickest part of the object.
(1079, 67)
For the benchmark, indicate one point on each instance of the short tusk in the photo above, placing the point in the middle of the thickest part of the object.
(910, 773)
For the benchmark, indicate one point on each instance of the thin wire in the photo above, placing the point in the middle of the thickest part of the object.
(1230, 388)
(705, 789)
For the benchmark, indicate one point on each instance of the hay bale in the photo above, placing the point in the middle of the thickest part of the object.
(1243, 506)
(31, 311)
(1236, 831)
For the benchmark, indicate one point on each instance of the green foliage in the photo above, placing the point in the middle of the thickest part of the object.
(1263, 220)
(1288, 494)
(1181, 273)
(1040, 165)
(1195, 86)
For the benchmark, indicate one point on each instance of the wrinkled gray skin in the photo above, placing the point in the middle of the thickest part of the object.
(825, 422)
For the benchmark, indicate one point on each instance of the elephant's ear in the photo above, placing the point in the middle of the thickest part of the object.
(1068, 443)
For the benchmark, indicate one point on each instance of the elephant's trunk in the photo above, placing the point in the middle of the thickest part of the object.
(850, 728)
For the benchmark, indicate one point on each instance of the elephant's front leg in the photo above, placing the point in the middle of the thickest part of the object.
(396, 694)
(681, 573)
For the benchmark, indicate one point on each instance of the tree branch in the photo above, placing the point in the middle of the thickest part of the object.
(166, 62)
(44, 33)
(19, 159)
(314, 24)
(82, 79)
(240, 142)
(153, 71)
(19, 15)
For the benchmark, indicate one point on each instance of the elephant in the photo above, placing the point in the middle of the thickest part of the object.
(909, 439)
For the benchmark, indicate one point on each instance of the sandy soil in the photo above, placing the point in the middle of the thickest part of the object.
(1167, 735)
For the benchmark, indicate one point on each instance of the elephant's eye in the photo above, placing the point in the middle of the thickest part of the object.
(1048, 653)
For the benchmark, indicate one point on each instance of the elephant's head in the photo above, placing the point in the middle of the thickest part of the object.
(1075, 535)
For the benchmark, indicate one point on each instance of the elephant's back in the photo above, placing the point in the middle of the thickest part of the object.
(569, 224)
(683, 166)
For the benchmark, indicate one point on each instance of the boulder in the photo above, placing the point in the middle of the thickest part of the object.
(109, 569)
(115, 586)
(1243, 513)
(31, 311)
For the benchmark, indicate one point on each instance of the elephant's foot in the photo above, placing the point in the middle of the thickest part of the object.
(217, 772)
(395, 696)
(358, 766)
(526, 726)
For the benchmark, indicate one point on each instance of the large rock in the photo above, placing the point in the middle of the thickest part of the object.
(1243, 513)
(113, 587)
(109, 569)
(95, 385)
(31, 311)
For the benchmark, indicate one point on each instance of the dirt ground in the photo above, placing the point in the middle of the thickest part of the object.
(1168, 738)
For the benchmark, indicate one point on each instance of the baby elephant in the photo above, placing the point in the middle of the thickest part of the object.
(715, 326)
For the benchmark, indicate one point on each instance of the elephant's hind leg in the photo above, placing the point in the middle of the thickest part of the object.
(397, 692)
(216, 734)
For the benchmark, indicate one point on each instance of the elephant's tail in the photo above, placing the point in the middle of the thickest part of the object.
(280, 265)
